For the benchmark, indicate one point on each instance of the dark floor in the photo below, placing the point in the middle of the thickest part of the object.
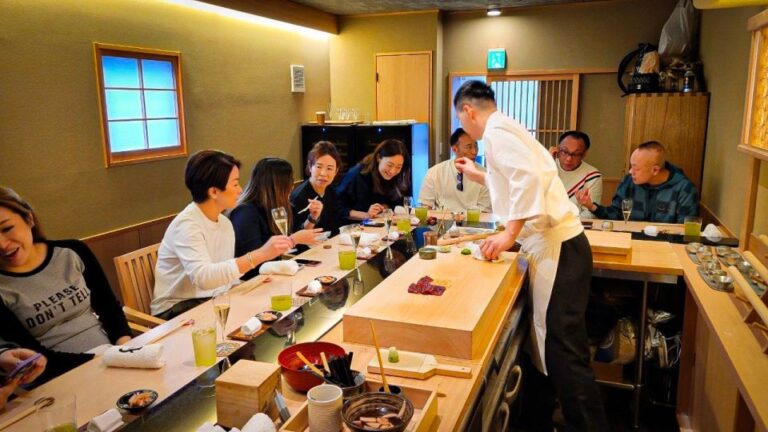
(653, 417)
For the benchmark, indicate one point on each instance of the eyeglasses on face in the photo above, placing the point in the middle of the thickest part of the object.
(565, 153)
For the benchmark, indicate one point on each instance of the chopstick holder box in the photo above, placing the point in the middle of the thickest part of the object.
(247, 388)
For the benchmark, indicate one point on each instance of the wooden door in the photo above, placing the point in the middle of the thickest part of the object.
(404, 86)
(677, 120)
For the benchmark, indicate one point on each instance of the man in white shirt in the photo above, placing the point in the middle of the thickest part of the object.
(576, 174)
(444, 185)
(529, 198)
(196, 259)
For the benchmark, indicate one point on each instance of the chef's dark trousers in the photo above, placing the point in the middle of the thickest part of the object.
(570, 377)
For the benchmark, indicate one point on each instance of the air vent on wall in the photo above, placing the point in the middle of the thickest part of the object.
(297, 78)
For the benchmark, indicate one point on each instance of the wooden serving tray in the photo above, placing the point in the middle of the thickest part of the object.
(424, 410)
(610, 242)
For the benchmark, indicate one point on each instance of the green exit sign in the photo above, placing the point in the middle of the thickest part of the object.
(497, 58)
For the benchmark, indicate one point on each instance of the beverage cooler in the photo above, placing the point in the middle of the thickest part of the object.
(355, 141)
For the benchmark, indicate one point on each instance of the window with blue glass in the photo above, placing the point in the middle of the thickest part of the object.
(141, 108)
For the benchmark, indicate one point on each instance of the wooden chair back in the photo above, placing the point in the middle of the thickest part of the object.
(136, 275)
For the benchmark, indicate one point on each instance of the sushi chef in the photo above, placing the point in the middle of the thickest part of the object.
(529, 198)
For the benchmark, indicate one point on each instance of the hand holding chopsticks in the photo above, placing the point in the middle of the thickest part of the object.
(308, 205)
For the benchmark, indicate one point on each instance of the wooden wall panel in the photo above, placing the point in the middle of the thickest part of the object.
(676, 120)
(108, 245)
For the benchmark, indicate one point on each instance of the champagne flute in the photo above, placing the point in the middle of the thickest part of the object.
(626, 210)
(280, 216)
(387, 215)
(407, 204)
(221, 310)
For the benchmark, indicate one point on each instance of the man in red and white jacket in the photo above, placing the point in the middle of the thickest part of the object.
(576, 174)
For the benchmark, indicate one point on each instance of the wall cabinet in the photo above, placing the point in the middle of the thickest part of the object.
(677, 120)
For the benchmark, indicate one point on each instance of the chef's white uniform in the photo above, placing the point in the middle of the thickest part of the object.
(524, 185)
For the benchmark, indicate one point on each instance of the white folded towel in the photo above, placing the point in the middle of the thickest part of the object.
(107, 421)
(399, 210)
(288, 267)
(712, 233)
(207, 427)
(651, 230)
(476, 253)
(363, 252)
(366, 239)
(260, 422)
(251, 326)
(394, 235)
(143, 357)
(314, 286)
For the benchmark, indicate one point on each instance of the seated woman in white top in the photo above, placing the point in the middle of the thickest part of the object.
(196, 259)
(444, 187)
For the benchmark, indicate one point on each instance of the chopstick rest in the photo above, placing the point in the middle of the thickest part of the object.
(143, 357)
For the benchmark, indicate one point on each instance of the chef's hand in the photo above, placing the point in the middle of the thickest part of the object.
(494, 245)
(374, 210)
(467, 167)
(583, 198)
(315, 208)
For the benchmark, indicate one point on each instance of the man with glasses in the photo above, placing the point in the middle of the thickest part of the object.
(576, 174)
(660, 191)
(444, 185)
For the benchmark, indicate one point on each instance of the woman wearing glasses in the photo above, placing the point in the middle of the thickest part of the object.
(444, 186)
(254, 220)
(378, 182)
(314, 202)
(576, 174)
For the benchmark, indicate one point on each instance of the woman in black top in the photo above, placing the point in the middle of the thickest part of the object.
(270, 187)
(54, 296)
(378, 182)
(323, 162)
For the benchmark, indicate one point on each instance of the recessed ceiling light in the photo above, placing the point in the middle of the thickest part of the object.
(494, 11)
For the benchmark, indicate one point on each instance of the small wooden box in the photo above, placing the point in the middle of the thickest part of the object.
(245, 389)
(424, 405)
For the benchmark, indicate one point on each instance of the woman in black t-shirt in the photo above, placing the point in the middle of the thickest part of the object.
(323, 163)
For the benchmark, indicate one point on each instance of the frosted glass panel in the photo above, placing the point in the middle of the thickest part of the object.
(158, 74)
(120, 72)
(123, 104)
(126, 136)
(160, 103)
(163, 133)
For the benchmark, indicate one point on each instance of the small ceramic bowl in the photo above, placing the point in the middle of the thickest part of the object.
(266, 319)
(723, 250)
(124, 402)
(744, 266)
(704, 255)
(377, 405)
(693, 247)
(709, 265)
(732, 258)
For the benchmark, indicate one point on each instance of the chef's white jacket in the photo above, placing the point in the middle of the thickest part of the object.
(523, 183)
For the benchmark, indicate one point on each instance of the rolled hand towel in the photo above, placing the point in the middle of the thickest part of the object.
(314, 286)
(260, 422)
(399, 210)
(712, 233)
(251, 326)
(651, 230)
(363, 252)
(143, 357)
(365, 239)
(207, 427)
(107, 421)
(394, 235)
(288, 267)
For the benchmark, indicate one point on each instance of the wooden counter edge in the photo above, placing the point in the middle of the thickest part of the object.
(694, 285)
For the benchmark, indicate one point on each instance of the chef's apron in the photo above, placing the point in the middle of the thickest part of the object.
(543, 253)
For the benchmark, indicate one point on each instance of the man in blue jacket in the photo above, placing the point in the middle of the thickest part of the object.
(659, 190)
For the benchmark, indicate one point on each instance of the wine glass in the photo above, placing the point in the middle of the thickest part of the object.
(280, 216)
(221, 310)
(387, 215)
(626, 210)
(407, 203)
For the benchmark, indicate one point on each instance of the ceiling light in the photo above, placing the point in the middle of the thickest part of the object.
(494, 11)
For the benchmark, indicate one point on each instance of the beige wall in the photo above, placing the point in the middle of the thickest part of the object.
(591, 35)
(236, 93)
(353, 51)
(725, 53)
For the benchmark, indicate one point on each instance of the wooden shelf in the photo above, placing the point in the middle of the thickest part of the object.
(756, 152)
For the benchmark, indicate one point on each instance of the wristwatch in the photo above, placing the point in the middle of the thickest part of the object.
(311, 220)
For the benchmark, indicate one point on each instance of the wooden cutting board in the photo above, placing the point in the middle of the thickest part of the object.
(610, 242)
(417, 366)
(456, 324)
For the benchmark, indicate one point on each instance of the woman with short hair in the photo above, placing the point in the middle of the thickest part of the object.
(318, 194)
